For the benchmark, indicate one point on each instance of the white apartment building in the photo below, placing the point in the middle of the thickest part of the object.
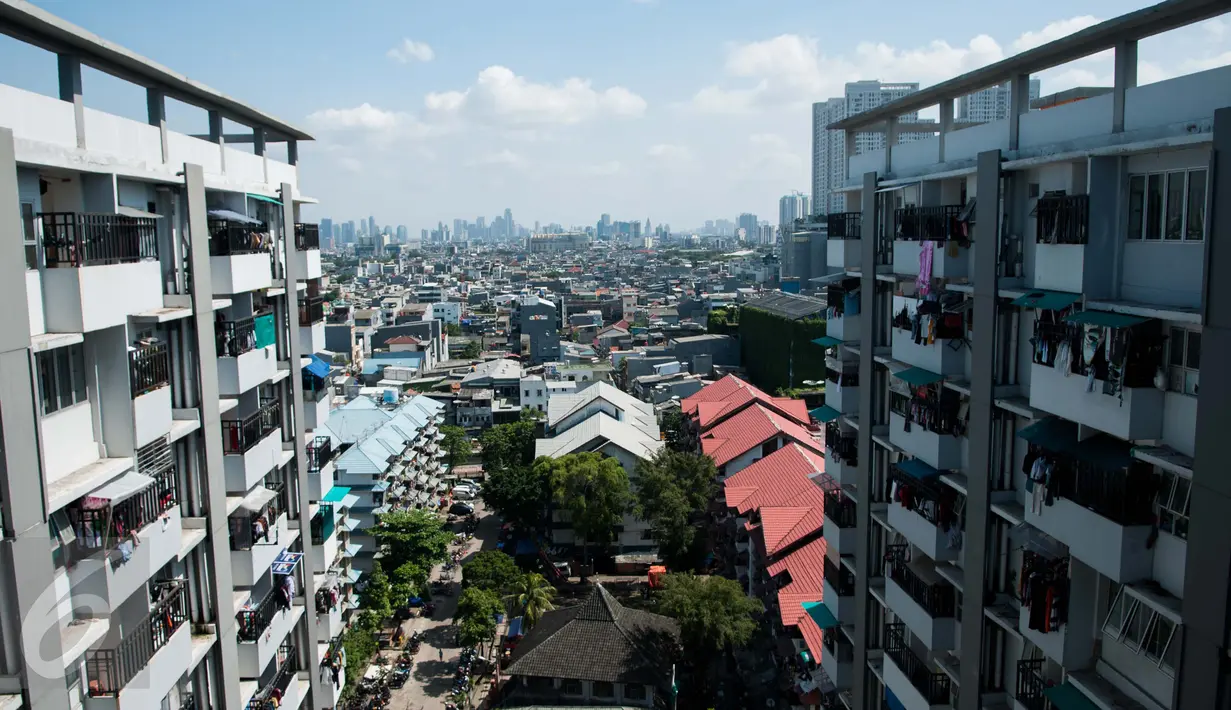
(790, 208)
(159, 291)
(991, 104)
(448, 311)
(1021, 467)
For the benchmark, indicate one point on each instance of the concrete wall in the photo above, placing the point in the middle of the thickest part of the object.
(1136, 414)
(69, 443)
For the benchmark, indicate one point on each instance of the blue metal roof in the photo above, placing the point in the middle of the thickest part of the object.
(317, 367)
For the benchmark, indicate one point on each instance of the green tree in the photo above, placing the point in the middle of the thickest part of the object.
(674, 432)
(476, 615)
(408, 580)
(595, 492)
(520, 494)
(492, 570)
(360, 644)
(713, 612)
(531, 596)
(452, 329)
(456, 445)
(507, 445)
(471, 350)
(378, 595)
(673, 491)
(416, 536)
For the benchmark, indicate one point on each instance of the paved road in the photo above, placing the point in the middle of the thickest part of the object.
(431, 678)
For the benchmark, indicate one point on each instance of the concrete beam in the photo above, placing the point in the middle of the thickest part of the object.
(69, 71)
(1125, 78)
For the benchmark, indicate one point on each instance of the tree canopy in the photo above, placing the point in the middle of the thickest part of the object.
(509, 445)
(408, 580)
(674, 433)
(492, 570)
(416, 536)
(471, 350)
(673, 491)
(531, 596)
(456, 445)
(714, 613)
(519, 494)
(593, 489)
(378, 595)
(476, 615)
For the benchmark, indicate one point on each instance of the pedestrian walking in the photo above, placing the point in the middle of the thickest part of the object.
(441, 651)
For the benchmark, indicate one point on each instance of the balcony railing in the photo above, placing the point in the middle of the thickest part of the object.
(72, 239)
(320, 452)
(235, 337)
(240, 435)
(110, 669)
(927, 224)
(1030, 684)
(255, 620)
(845, 225)
(312, 310)
(257, 527)
(839, 508)
(149, 367)
(840, 578)
(113, 525)
(939, 600)
(836, 645)
(269, 697)
(1063, 219)
(315, 389)
(1125, 497)
(232, 238)
(322, 524)
(307, 236)
(934, 686)
(843, 448)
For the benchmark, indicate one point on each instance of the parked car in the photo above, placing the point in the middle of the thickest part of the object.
(460, 508)
(460, 493)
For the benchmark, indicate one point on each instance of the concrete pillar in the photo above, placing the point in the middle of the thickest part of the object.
(258, 141)
(217, 136)
(1204, 679)
(978, 483)
(292, 151)
(863, 477)
(1019, 103)
(946, 125)
(294, 351)
(216, 549)
(156, 107)
(1124, 78)
(29, 625)
(891, 139)
(69, 69)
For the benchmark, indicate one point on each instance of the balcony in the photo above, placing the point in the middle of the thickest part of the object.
(239, 251)
(923, 524)
(312, 310)
(149, 376)
(99, 269)
(910, 678)
(282, 690)
(916, 226)
(843, 315)
(329, 690)
(307, 252)
(838, 658)
(845, 225)
(262, 627)
(247, 354)
(912, 323)
(317, 401)
(259, 531)
(104, 562)
(320, 455)
(924, 439)
(307, 236)
(842, 246)
(147, 661)
(1030, 684)
(1136, 416)
(842, 390)
(924, 602)
(838, 593)
(1062, 224)
(252, 446)
(841, 453)
(839, 523)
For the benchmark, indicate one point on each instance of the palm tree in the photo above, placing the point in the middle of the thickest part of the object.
(531, 595)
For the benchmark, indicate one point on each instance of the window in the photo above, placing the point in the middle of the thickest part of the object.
(527, 393)
(29, 236)
(570, 686)
(61, 377)
(1183, 361)
(634, 692)
(1167, 206)
(538, 393)
(1171, 504)
(603, 689)
(1142, 629)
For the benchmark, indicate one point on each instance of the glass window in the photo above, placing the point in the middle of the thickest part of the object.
(1154, 207)
(1195, 219)
(570, 686)
(603, 689)
(1136, 205)
(633, 691)
(1184, 361)
(29, 234)
(1172, 503)
(1175, 206)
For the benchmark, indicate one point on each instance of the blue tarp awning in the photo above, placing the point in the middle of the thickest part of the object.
(821, 614)
(825, 414)
(1104, 318)
(917, 469)
(514, 628)
(827, 341)
(336, 494)
(917, 376)
(317, 367)
(263, 198)
(1047, 300)
(1060, 436)
(1067, 697)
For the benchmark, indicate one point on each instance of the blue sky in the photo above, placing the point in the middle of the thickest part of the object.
(676, 110)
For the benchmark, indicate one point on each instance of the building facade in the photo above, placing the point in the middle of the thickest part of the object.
(1031, 509)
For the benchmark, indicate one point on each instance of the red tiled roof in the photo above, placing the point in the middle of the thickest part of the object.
(731, 394)
(780, 479)
(750, 428)
(790, 605)
(813, 636)
(807, 568)
(782, 527)
(403, 340)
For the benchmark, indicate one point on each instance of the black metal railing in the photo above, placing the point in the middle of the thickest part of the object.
(939, 600)
(836, 645)
(149, 367)
(72, 239)
(1063, 219)
(1126, 497)
(232, 238)
(926, 224)
(249, 528)
(270, 697)
(320, 452)
(840, 578)
(839, 508)
(240, 435)
(307, 236)
(109, 527)
(110, 669)
(845, 225)
(312, 310)
(1030, 684)
(843, 448)
(254, 621)
(933, 685)
(233, 338)
(315, 389)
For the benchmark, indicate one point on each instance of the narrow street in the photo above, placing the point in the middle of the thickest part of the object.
(431, 678)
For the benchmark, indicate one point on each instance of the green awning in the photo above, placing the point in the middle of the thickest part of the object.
(262, 198)
(805, 656)
(1047, 300)
(336, 494)
(827, 341)
(1060, 436)
(1104, 318)
(918, 376)
(821, 614)
(825, 414)
(917, 469)
(1067, 697)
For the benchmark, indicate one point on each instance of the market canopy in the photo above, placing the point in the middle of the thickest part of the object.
(918, 377)
(117, 491)
(1045, 300)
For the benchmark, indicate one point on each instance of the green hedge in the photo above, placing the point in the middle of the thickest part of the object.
(779, 352)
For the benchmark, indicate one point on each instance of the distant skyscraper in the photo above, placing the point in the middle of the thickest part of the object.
(403, 234)
(326, 231)
(371, 226)
(748, 222)
(509, 229)
(991, 104)
(790, 208)
(423, 236)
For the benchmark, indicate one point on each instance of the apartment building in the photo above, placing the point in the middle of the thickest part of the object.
(159, 301)
(1030, 503)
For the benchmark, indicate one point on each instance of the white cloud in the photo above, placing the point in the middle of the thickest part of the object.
(610, 167)
(504, 157)
(1054, 31)
(410, 50)
(500, 95)
(364, 117)
(668, 152)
